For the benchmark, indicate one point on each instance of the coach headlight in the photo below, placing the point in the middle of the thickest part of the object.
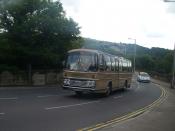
(90, 83)
(66, 82)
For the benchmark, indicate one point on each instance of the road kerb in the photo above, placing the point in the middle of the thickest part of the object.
(129, 115)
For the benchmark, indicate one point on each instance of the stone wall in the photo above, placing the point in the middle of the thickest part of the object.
(38, 78)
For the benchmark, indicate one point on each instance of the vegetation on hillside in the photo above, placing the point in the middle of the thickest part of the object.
(154, 60)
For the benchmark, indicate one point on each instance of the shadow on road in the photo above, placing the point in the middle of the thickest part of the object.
(95, 96)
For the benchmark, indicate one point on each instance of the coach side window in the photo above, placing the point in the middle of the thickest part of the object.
(116, 65)
(120, 65)
(101, 62)
(108, 63)
(125, 66)
(113, 64)
(130, 67)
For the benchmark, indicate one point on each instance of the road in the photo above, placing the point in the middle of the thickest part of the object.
(54, 109)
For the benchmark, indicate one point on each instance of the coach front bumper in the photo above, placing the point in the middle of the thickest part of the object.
(79, 84)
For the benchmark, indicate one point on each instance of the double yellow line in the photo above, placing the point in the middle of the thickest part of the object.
(130, 115)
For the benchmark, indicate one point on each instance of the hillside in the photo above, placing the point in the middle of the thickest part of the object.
(157, 60)
(122, 48)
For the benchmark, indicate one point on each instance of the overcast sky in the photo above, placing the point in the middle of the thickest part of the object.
(150, 22)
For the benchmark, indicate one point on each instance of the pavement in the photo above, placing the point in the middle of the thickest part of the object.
(161, 118)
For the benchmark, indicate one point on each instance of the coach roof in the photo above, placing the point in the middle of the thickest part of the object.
(96, 51)
(88, 50)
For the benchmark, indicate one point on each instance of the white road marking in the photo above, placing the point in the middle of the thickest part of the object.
(66, 106)
(156, 84)
(2, 113)
(47, 96)
(9, 98)
(116, 97)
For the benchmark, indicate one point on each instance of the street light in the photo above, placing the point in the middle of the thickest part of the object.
(134, 51)
(173, 77)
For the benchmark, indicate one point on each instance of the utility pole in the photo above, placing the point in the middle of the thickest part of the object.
(134, 55)
(173, 72)
(134, 51)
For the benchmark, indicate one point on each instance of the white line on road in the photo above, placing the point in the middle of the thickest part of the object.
(47, 96)
(2, 113)
(66, 106)
(116, 97)
(10, 98)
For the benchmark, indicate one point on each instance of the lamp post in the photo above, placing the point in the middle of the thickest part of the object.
(134, 51)
(173, 77)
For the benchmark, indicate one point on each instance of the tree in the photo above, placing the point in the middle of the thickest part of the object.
(36, 32)
(166, 63)
(145, 62)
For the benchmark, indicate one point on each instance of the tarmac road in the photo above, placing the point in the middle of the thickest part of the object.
(54, 109)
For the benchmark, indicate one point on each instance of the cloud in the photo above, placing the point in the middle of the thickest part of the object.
(155, 35)
(115, 20)
(170, 6)
(71, 4)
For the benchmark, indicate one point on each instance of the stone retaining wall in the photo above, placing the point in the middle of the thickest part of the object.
(22, 78)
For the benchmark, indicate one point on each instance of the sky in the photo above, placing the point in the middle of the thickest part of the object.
(150, 22)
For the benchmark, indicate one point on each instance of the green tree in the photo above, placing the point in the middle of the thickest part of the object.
(36, 32)
(145, 62)
(166, 63)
